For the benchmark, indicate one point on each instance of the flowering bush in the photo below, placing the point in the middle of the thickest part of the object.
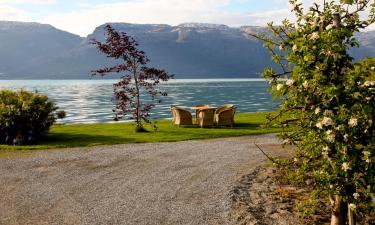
(25, 116)
(328, 100)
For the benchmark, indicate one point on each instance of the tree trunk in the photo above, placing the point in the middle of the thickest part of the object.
(138, 113)
(351, 216)
(339, 211)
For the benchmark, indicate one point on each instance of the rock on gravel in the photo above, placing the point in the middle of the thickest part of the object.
(185, 182)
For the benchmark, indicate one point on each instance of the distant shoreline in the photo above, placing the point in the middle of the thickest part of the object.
(172, 80)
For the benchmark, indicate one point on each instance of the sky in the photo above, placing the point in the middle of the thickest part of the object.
(83, 16)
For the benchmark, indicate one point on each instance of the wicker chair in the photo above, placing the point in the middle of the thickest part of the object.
(181, 116)
(228, 106)
(206, 117)
(225, 115)
(197, 111)
(223, 107)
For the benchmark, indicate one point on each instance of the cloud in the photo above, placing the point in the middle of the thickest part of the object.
(82, 21)
(27, 1)
(9, 9)
(85, 16)
(12, 13)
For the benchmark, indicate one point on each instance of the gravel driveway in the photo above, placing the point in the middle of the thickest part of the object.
(163, 183)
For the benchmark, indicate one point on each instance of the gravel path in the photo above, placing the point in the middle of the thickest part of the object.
(164, 183)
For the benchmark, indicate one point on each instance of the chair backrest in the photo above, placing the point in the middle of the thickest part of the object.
(229, 112)
(224, 107)
(182, 112)
(197, 110)
(181, 116)
(206, 117)
(228, 105)
(225, 116)
(202, 105)
(173, 107)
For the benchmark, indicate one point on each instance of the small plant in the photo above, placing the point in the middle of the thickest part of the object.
(25, 116)
(137, 79)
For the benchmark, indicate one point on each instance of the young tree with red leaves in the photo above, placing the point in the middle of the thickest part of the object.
(136, 79)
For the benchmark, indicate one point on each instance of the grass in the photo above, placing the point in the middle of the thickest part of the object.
(81, 135)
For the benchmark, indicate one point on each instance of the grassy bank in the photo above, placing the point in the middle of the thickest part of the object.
(79, 135)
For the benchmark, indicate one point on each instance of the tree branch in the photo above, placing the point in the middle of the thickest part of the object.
(268, 157)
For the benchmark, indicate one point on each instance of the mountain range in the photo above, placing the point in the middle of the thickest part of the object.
(190, 50)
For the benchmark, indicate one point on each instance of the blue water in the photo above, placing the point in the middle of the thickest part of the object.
(91, 101)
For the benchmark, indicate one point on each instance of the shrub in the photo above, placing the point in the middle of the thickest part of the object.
(328, 100)
(25, 116)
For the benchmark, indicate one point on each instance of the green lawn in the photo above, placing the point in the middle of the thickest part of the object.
(62, 136)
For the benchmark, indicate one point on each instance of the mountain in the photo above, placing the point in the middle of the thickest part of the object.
(190, 50)
(27, 46)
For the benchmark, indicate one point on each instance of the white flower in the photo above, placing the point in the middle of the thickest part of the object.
(317, 110)
(327, 121)
(290, 82)
(368, 83)
(373, 68)
(270, 81)
(329, 27)
(345, 166)
(281, 47)
(279, 86)
(369, 122)
(315, 22)
(328, 113)
(305, 84)
(314, 36)
(352, 206)
(353, 122)
(325, 151)
(330, 136)
(321, 19)
(294, 48)
(319, 125)
(356, 195)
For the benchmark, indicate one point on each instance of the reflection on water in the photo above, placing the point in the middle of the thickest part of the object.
(91, 101)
